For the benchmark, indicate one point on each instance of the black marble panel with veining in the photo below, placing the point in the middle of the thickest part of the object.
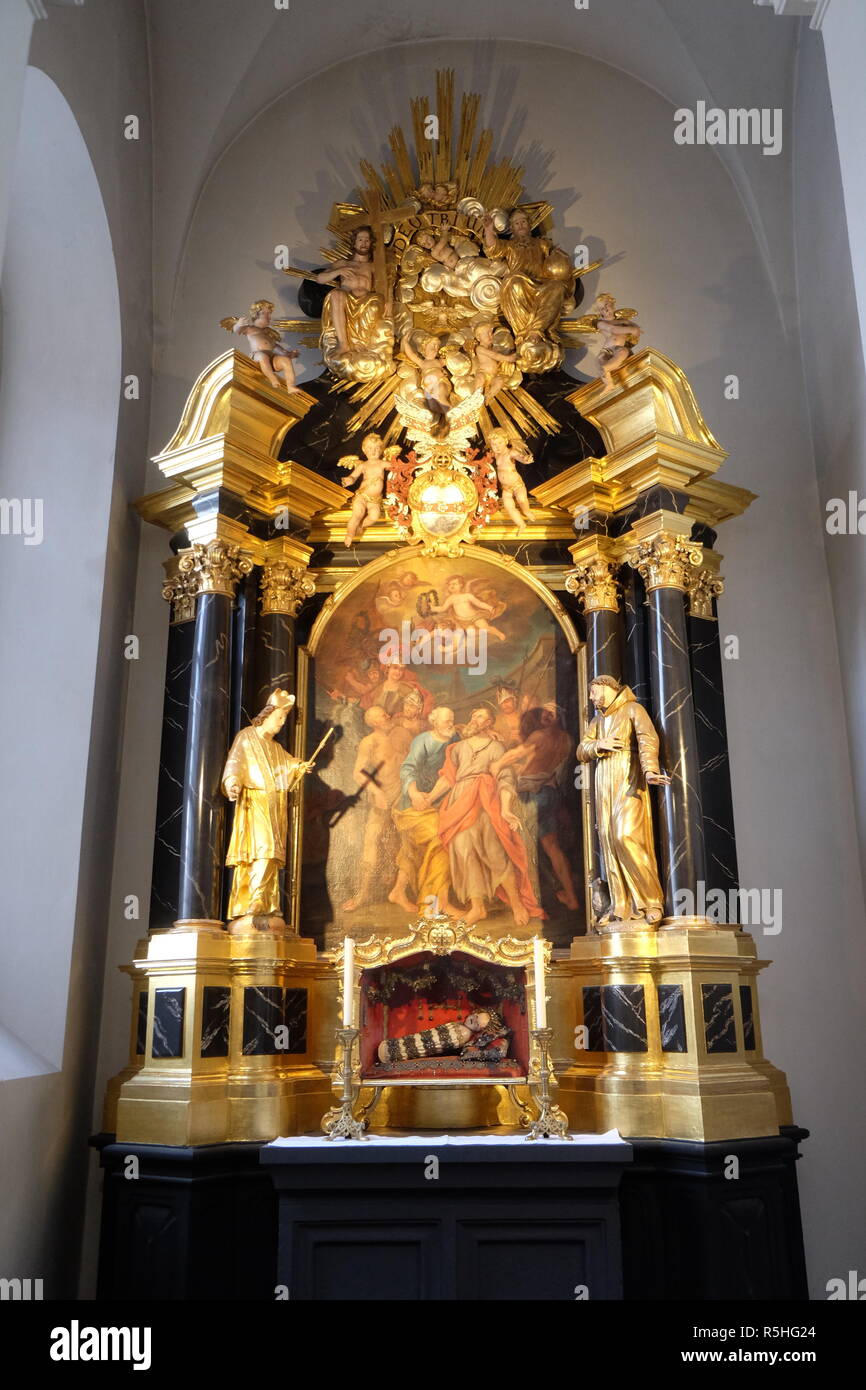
(604, 638)
(592, 1018)
(169, 798)
(747, 1010)
(295, 1019)
(672, 1018)
(636, 668)
(681, 816)
(263, 1015)
(215, 1007)
(244, 623)
(719, 1028)
(653, 499)
(141, 1025)
(168, 1012)
(623, 1009)
(275, 663)
(715, 772)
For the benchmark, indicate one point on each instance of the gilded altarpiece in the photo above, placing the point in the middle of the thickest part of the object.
(467, 536)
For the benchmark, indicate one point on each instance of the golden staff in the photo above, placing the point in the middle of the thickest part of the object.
(311, 760)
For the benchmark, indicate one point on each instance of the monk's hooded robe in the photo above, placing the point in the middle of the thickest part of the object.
(622, 805)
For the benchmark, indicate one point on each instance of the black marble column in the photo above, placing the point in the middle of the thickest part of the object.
(637, 668)
(682, 846)
(204, 806)
(244, 637)
(275, 664)
(214, 570)
(713, 762)
(165, 881)
(603, 643)
(595, 582)
(284, 587)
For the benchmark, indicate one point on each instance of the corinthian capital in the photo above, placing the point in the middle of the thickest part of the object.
(284, 587)
(595, 584)
(705, 585)
(214, 568)
(665, 561)
(179, 589)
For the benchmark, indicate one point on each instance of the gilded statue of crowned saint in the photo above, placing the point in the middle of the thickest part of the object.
(624, 745)
(258, 776)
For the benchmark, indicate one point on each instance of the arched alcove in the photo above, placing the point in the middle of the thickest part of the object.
(59, 393)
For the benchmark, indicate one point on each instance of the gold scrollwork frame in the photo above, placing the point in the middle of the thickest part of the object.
(441, 936)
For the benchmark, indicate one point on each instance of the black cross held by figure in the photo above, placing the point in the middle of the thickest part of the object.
(349, 801)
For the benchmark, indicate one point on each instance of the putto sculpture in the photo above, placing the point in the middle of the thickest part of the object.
(265, 343)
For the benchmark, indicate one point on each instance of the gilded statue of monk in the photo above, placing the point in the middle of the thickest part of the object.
(257, 777)
(624, 745)
(539, 281)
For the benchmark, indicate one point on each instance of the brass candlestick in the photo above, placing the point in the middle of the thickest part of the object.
(551, 1122)
(340, 1122)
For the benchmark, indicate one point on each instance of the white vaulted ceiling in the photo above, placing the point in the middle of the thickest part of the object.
(216, 64)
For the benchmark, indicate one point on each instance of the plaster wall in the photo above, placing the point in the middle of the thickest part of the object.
(82, 452)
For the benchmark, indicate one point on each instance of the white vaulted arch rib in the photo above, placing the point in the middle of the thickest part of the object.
(60, 382)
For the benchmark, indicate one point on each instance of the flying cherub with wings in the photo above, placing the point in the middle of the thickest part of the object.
(265, 343)
(470, 607)
(618, 332)
(371, 469)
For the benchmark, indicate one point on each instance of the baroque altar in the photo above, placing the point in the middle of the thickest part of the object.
(453, 610)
